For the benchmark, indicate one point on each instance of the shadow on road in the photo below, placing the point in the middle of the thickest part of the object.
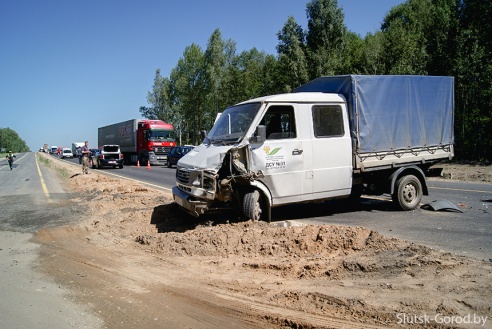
(330, 208)
(170, 218)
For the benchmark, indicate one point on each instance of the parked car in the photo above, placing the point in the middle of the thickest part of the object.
(66, 153)
(107, 156)
(177, 153)
(93, 151)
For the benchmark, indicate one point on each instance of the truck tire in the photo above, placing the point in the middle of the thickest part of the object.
(251, 206)
(408, 192)
(355, 195)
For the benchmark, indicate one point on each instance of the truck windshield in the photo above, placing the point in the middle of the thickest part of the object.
(233, 123)
(160, 135)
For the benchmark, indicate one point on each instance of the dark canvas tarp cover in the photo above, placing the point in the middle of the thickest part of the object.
(394, 112)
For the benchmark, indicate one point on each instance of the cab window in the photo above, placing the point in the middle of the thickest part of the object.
(280, 122)
(328, 121)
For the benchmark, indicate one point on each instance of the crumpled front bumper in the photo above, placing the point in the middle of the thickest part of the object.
(190, 204)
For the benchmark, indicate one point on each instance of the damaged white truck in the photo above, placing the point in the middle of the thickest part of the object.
(334, 137)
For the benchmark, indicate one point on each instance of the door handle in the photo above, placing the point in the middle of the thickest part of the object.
(297, 152)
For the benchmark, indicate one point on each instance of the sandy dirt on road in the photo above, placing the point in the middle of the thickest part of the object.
(138, 261)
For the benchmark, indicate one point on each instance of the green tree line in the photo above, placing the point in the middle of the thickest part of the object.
(424, 37)
(10, 141)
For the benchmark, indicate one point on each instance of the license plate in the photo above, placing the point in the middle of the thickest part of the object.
(112, 161)
(179, 201)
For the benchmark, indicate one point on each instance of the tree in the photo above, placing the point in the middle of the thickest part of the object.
(188, 90)
(244, 78)
(272, 75)
(292, 62)
(159, 98)
(218, 56)
(373, 53)
(325, 37)
(353, 55)
(10, 140)
(404, 39)
(473, 72)
(440, 27)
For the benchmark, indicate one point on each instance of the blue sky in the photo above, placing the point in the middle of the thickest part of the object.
(68, 67)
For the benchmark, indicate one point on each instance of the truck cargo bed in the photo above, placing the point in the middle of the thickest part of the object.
(395, 119)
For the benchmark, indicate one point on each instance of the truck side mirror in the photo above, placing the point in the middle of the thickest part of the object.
(203, 134)
(260, 135)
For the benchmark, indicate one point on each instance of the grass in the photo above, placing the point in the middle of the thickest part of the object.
(49, 163)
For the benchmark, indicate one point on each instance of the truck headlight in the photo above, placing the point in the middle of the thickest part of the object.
(198, 192)
(197, 181)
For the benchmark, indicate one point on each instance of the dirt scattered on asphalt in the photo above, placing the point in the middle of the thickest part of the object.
(470, 171)
(286, 274)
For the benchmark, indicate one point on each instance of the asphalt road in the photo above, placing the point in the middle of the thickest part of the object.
(467, 233)
(28, 299)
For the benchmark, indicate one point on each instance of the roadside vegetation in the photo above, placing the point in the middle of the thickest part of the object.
(420, 37)
(47, 161)
(10, 141)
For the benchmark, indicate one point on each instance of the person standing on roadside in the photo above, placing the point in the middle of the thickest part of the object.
(86, 152)
(10, 157)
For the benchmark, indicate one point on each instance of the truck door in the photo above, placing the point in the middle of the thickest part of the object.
(283, 156)
(332, 151)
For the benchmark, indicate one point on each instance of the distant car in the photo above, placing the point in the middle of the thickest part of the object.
(66, 153)
(177, 153)
(107, 156)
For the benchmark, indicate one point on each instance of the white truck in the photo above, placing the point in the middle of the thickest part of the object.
(75, 147)
(334, 137)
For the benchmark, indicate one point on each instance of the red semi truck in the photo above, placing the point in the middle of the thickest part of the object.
(140, 140)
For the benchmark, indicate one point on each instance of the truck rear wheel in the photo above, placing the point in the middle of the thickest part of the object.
(408, 192)
(251, 205)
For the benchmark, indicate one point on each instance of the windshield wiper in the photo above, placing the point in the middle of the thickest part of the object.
(220, 141)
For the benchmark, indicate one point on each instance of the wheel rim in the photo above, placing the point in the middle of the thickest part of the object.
(409, 193)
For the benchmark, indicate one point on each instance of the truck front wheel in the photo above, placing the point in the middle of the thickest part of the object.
(251, 205)
(408, 192)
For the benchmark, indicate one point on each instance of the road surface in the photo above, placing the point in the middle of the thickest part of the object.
(29, 299)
